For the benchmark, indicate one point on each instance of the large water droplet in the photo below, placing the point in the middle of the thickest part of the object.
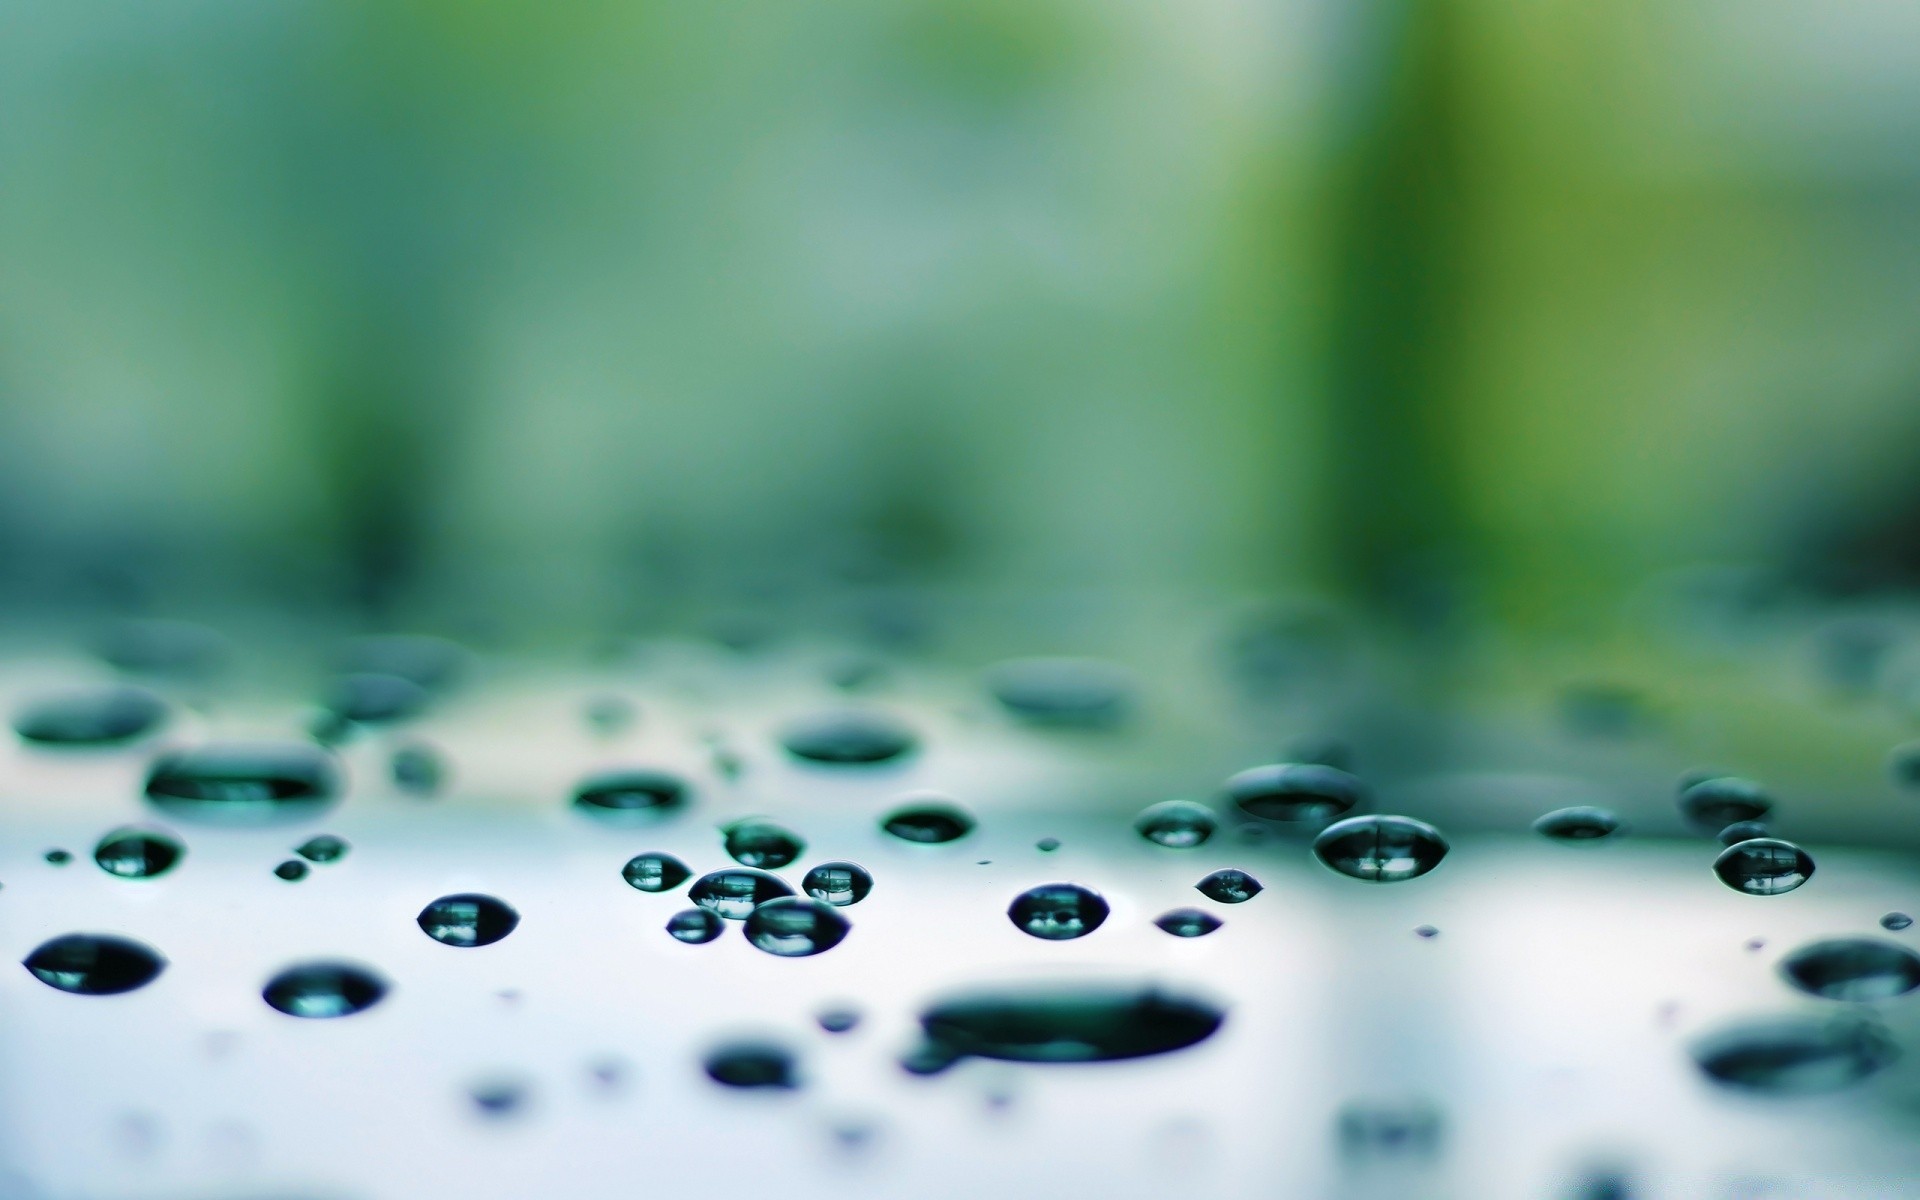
(244, 782)
(794, 927)
(322, 848)
(418, 769)
(630, 795)
(1763, 866)
(94, 964)
(752, 1065)
(848, 739)
(1719, 800)
(735, 892)
(1062, 1024)
(655, 872)
(1858, 969)
(98, 716)
(1057, 911)
(928, 822)
(1795, 1055)
(1080, 692)
(1229, 885)
(838, 883)
(1743, 831)
(179, 649)
(694, 926)
(1181, 824)
(1188, 922)
(366, 698)
(427, 662)
(137, 853)
(467, 919)
(1381, 849)
(1295, 792)
(758, 842)
(324, 989)
(1581, 823)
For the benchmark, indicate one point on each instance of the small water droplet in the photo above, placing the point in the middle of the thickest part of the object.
(1580, 823)
(323, 848)
(94, 964)
(97, 716)
(367, 698)
(1073, 692)
(609, 1073)
(467, 919)
(758, 842)
(694, 926)
(655, 872)
(1295, 792)
(840, 1019)
(1721, 800)
(608, 715)
(1381, 849)
(928, 822)
(1895, 921)
(427, 662)
(1061, 1024)
(244, 782)
(1743, 831)
(848, 739)
(1795, 1055)
(1389, 1129)
(324, 989)
(795, 927)
(137, 853)
(58, 858)
(1188, 922)
(752, 1065)
(1057, 911)
(1763, 866)
(630, 795)
(1756, 943)
(418, 769)
(1180, 824)
(498, 1097)
(1858, 969)
(292, 870)
(1427, 932)
(1047, 845)
(735, 892)
(838, 883)
(1229, 885)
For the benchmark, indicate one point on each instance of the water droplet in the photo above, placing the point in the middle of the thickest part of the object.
(848, 739)
(498, 1097)
(1399, 1129)
(94, 964)
(752, 1065)
(1581, 823)
(322, 848)
(1720, 800)
(1295, 792)
(1763, 866)
(1181, 824)
(838, 883)
(630, 795)
(292, 870)
(694, 926)
(1428, 932)
(1895, 921)
(1381, 849)
(1742, 831)
(137, 853)
(97, 716)
(1047, 845)
(1859, 969)
(608, 715)
(372, 699)
(839, 1020)
(1078, 692)
(467, 919)
(1756, 943)
(757, 842)
(795, 927)
(1062, 1024)
(179, 649)
(244, 782)
(1229, 886)
(1903, 765)
(427, 662)
(418, 769)
(324, 989)
(1057, 911)
(58, 858)
(1188, 922)
(655, 872)
(735, 892)
(928, 822)
(1795, 1055)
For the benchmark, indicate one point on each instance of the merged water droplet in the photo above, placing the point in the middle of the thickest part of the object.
(1580, 823)
(655, 872)
(1859, 969)
(853, 738)
(1795, 1055)
(418, 769)
(94, 964)
(928, 822)
(735, 892)
(94, 716)
(1084, 693)
(1381, 849)
(1062, 1024)
(1307, 792)
(137, 853)
(324, 989)
(292, 870)
(839, 883)
(630, 795)
(468, 919)
(694, 926)
(758, 842)
(322, 848)
(1181, 824)
(1229, 885)
(795, 927)
(1895, 921)
(1743, 831)
(1188, 922)
(1720, 800)
(1763, 866)
(752, 1065)
(1057, 911)
(244, 782)
(367, 698)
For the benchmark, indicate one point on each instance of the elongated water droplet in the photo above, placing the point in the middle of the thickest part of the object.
(371, 699)
(735, 892)
(752, 1065)
(1063, 1024)
(1763, 866)
(1720, 800)
(244, 782)
(292, 870)
(1857, 969)
(1895, 921)
(1295, 792)
(848, 739)
(1381, 849)
(427, 662)
(418, 769)
(694, 926)
(58, 858)
(97, 716)
(1181, 824)
(1084, 693)
(1581, 823)
(1229, 886)
(838, 883)
(324, 989)
(323, 848)
(795, 927)
(655, 872)
(928, 822)
(137, 853)
(758, 842)
(1188, 922)
(94, 964)
(1057, 911)
(630, 795)
(1743, 831)
(1795, 1055)
(467, 919)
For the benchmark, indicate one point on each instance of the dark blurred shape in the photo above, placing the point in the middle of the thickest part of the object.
(99, 716)
(1406, 1129)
